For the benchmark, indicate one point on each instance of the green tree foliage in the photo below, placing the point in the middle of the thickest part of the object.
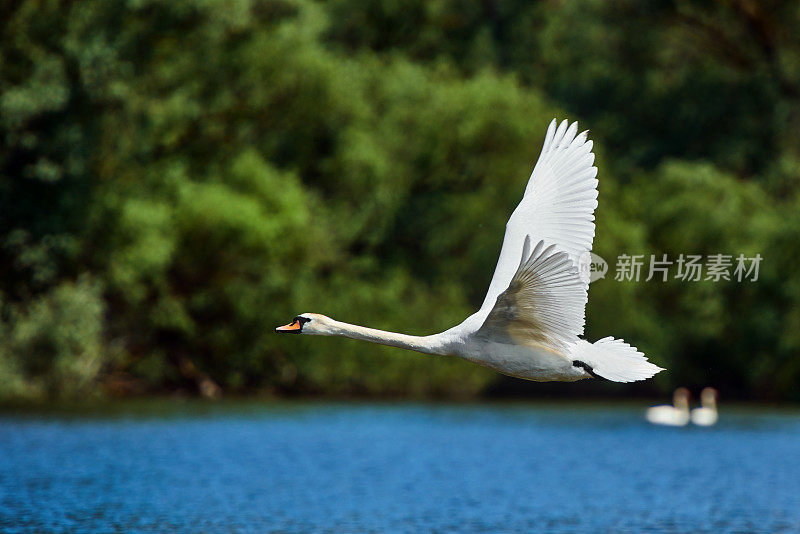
(52, 347)
(177, 178)
(655, 79)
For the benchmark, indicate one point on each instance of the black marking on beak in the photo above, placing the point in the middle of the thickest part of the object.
(295, 327)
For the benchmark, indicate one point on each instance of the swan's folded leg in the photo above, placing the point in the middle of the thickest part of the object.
(612, 359)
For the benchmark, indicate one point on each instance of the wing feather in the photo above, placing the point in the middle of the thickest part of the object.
(543, 303)
(557, 208)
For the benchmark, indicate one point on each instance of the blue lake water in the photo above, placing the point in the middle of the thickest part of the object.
(310, 467)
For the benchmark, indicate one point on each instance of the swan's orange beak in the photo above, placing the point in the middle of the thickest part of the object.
(293, 327)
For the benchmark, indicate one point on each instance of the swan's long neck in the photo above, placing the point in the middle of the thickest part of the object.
(680, 400)
(434, 344)
(709, 403)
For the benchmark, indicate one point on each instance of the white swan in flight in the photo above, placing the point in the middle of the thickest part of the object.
(675, 415)
(533, 314)
(707, 414)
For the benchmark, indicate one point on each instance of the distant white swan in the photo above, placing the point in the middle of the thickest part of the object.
(707, 414)
(676, 415)
(533, 313)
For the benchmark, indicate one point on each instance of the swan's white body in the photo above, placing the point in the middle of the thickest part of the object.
(707, 414)
(676, 415)
(533, 314)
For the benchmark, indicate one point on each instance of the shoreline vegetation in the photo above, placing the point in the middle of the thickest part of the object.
(177, 178)
(188, 404)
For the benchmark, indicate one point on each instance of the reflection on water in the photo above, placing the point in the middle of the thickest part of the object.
(397, 467)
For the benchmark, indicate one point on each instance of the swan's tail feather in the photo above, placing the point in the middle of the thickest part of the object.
(614, 360)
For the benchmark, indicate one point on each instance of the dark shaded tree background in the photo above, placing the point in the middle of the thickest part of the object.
(179, 177)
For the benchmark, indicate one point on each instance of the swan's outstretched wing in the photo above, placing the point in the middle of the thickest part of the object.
(543, 304)
(557, 208)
